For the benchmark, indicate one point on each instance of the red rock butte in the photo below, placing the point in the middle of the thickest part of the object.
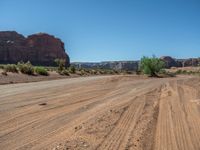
(39, 49)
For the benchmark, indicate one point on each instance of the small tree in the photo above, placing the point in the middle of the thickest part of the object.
(60, 63)
(151, 66)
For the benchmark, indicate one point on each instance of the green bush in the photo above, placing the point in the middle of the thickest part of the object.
(83, 72)
(87, 70)
(51, 69)
(11, 68)
(1, 66)
(179, 71)
(184, 72)
(26, 68)
(151, 66)
(60, 63)
(41, 71)
(64, 72)
(72, 69)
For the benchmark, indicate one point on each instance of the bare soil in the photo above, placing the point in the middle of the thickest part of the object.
(102, 113)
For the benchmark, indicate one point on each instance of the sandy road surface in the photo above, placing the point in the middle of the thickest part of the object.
(104, 113)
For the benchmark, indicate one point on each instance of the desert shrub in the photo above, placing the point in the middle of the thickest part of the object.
(106, 71)
(72, 69)
(169, 74)
(162, 71)
(26, 68)
(4, 73)
(1, 66)
(101, 72)
(60, 63)
(179, 71)
(115, 71)
(64, 72)
(83, 72)
(51, 68)
(93, 71)
(129, 72)
(138, 72)
(11, 68)
(41, 71)
(87, 70)
(80, 73)
(184, 72)
(151, 66)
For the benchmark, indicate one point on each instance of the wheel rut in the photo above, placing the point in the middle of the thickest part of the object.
(129, 118)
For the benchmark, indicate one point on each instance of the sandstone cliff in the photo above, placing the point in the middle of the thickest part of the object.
(39, 49)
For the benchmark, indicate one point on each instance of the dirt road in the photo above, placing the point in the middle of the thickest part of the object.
(103, 113)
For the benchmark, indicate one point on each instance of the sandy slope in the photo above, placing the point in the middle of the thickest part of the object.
(104, 113)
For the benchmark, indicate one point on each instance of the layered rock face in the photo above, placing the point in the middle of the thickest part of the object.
(171, 62)
(191, 62)
(39, 49)
(134, 65)
(116, 65)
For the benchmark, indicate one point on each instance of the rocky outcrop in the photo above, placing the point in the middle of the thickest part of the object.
(169, 62)
(39, 49)
(116, 65)
(134, 65)
(191, 62)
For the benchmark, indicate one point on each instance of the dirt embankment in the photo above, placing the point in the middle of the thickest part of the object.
(11, 78)
(105, 112)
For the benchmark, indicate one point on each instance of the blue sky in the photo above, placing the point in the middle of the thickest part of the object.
(101, 30)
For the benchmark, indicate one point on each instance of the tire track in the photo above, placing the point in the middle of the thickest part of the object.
(115, 138)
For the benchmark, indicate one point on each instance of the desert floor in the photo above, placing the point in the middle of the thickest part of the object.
(103, 112)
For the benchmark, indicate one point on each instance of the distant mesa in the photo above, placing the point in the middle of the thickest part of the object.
(116, 65)
(170, 62)
(134, 65)
(39, 49)
(173, 62)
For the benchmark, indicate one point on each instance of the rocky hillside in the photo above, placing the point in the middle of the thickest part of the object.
(116, 65)
(133, 65)
(39, 49)
(173, 62)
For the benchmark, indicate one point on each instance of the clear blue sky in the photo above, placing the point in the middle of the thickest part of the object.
(99, 30)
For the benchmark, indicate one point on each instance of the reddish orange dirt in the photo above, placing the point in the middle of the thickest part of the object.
(103, 113)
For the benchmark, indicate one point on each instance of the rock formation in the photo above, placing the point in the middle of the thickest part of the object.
(116, 65)
(134, 65)
(169, 61)
(39, 49)
(191, 62)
